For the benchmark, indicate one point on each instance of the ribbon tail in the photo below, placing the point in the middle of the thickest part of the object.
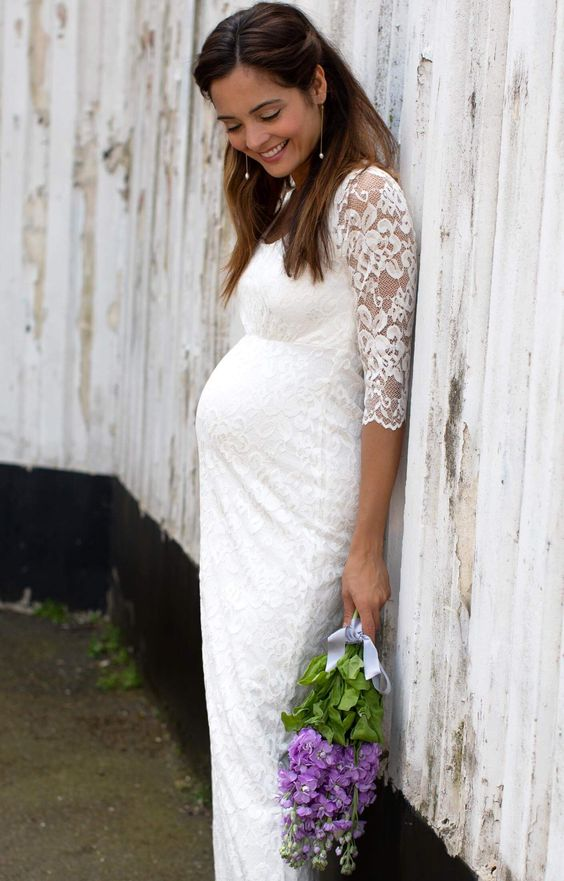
(377, 682)
(335, 648)
(373, 668)
(370, 657)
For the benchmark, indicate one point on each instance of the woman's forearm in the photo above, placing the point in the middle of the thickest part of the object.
(380, 457)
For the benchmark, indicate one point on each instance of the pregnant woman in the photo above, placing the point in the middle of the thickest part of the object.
(300, 425)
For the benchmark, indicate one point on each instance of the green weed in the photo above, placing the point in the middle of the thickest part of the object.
(54, 611)
(121, 672)
(107, 643)
(202, 795)
(122, 678)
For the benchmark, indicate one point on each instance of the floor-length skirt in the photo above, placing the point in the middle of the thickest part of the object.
(279, 458)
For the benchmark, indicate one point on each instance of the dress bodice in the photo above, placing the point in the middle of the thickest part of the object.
(274, 306)
(363, 307)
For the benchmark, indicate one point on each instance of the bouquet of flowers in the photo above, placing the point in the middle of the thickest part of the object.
(334, 757)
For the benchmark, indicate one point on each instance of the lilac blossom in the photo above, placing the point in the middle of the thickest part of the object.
(322, 794)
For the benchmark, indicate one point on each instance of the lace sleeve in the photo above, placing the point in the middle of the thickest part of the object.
(377, 241)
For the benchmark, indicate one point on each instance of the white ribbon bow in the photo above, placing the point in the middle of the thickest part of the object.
(353, 633)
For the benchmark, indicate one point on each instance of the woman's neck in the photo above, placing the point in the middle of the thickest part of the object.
(300, 174)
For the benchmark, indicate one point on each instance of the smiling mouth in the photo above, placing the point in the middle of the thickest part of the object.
(275, 150)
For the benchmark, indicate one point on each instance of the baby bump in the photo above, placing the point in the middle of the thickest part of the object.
(280, 401)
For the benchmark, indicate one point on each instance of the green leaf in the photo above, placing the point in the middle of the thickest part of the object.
(334, 715)
(326, 731)
(96, 648)
(342, 705)
(349, 699)
(339, 736)
(337, 691)
(355, 665)
(131, 677)
(291, 722)
(53, 610)
(322, 686)
(363, 730)
(336, 723)
(349, 666)
(317, 711)
(373, 710)
(361, 683)
(373, 699)
(314, 668)
(307, 703)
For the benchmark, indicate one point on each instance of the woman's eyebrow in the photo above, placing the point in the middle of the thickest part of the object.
(258, 107)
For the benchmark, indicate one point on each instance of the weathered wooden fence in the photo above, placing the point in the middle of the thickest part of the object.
(112, 232)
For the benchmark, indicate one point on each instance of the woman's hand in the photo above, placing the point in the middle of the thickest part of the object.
(365, 586)
(365, 581)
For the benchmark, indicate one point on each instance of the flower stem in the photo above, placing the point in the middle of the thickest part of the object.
(354, 816)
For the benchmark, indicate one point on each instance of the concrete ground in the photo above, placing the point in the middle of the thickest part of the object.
(92, 786)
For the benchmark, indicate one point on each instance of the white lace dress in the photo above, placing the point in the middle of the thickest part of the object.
(279, 427)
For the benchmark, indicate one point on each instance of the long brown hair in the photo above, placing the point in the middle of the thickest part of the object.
(280, 40)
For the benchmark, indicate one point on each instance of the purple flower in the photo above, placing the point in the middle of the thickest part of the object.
(359, 829)
(303, 746)
(286, 778)
(303, 811)
(322, 794)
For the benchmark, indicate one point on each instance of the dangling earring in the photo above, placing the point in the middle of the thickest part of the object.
(321, 135)
(247, 175)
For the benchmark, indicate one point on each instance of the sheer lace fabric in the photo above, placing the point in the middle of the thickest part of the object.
(278, 426)
(376, 237)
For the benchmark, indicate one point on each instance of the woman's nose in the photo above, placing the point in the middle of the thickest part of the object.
(256, 139)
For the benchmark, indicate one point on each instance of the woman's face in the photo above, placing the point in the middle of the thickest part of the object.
(272, 124)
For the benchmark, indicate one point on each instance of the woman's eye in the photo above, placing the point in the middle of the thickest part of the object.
(276, 113)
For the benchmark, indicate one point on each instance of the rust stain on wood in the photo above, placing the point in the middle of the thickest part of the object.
(62, 15)
(35, 211)
(85, 179)
(38, 48)
(118, 156)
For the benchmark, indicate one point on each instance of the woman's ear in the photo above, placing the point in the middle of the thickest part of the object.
(319, 86)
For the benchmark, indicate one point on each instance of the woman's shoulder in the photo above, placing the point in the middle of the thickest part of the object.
(365, 193)
(365, 183)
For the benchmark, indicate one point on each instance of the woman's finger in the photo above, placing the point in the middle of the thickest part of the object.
(348, 609)
(367, 621)
(376, 616)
